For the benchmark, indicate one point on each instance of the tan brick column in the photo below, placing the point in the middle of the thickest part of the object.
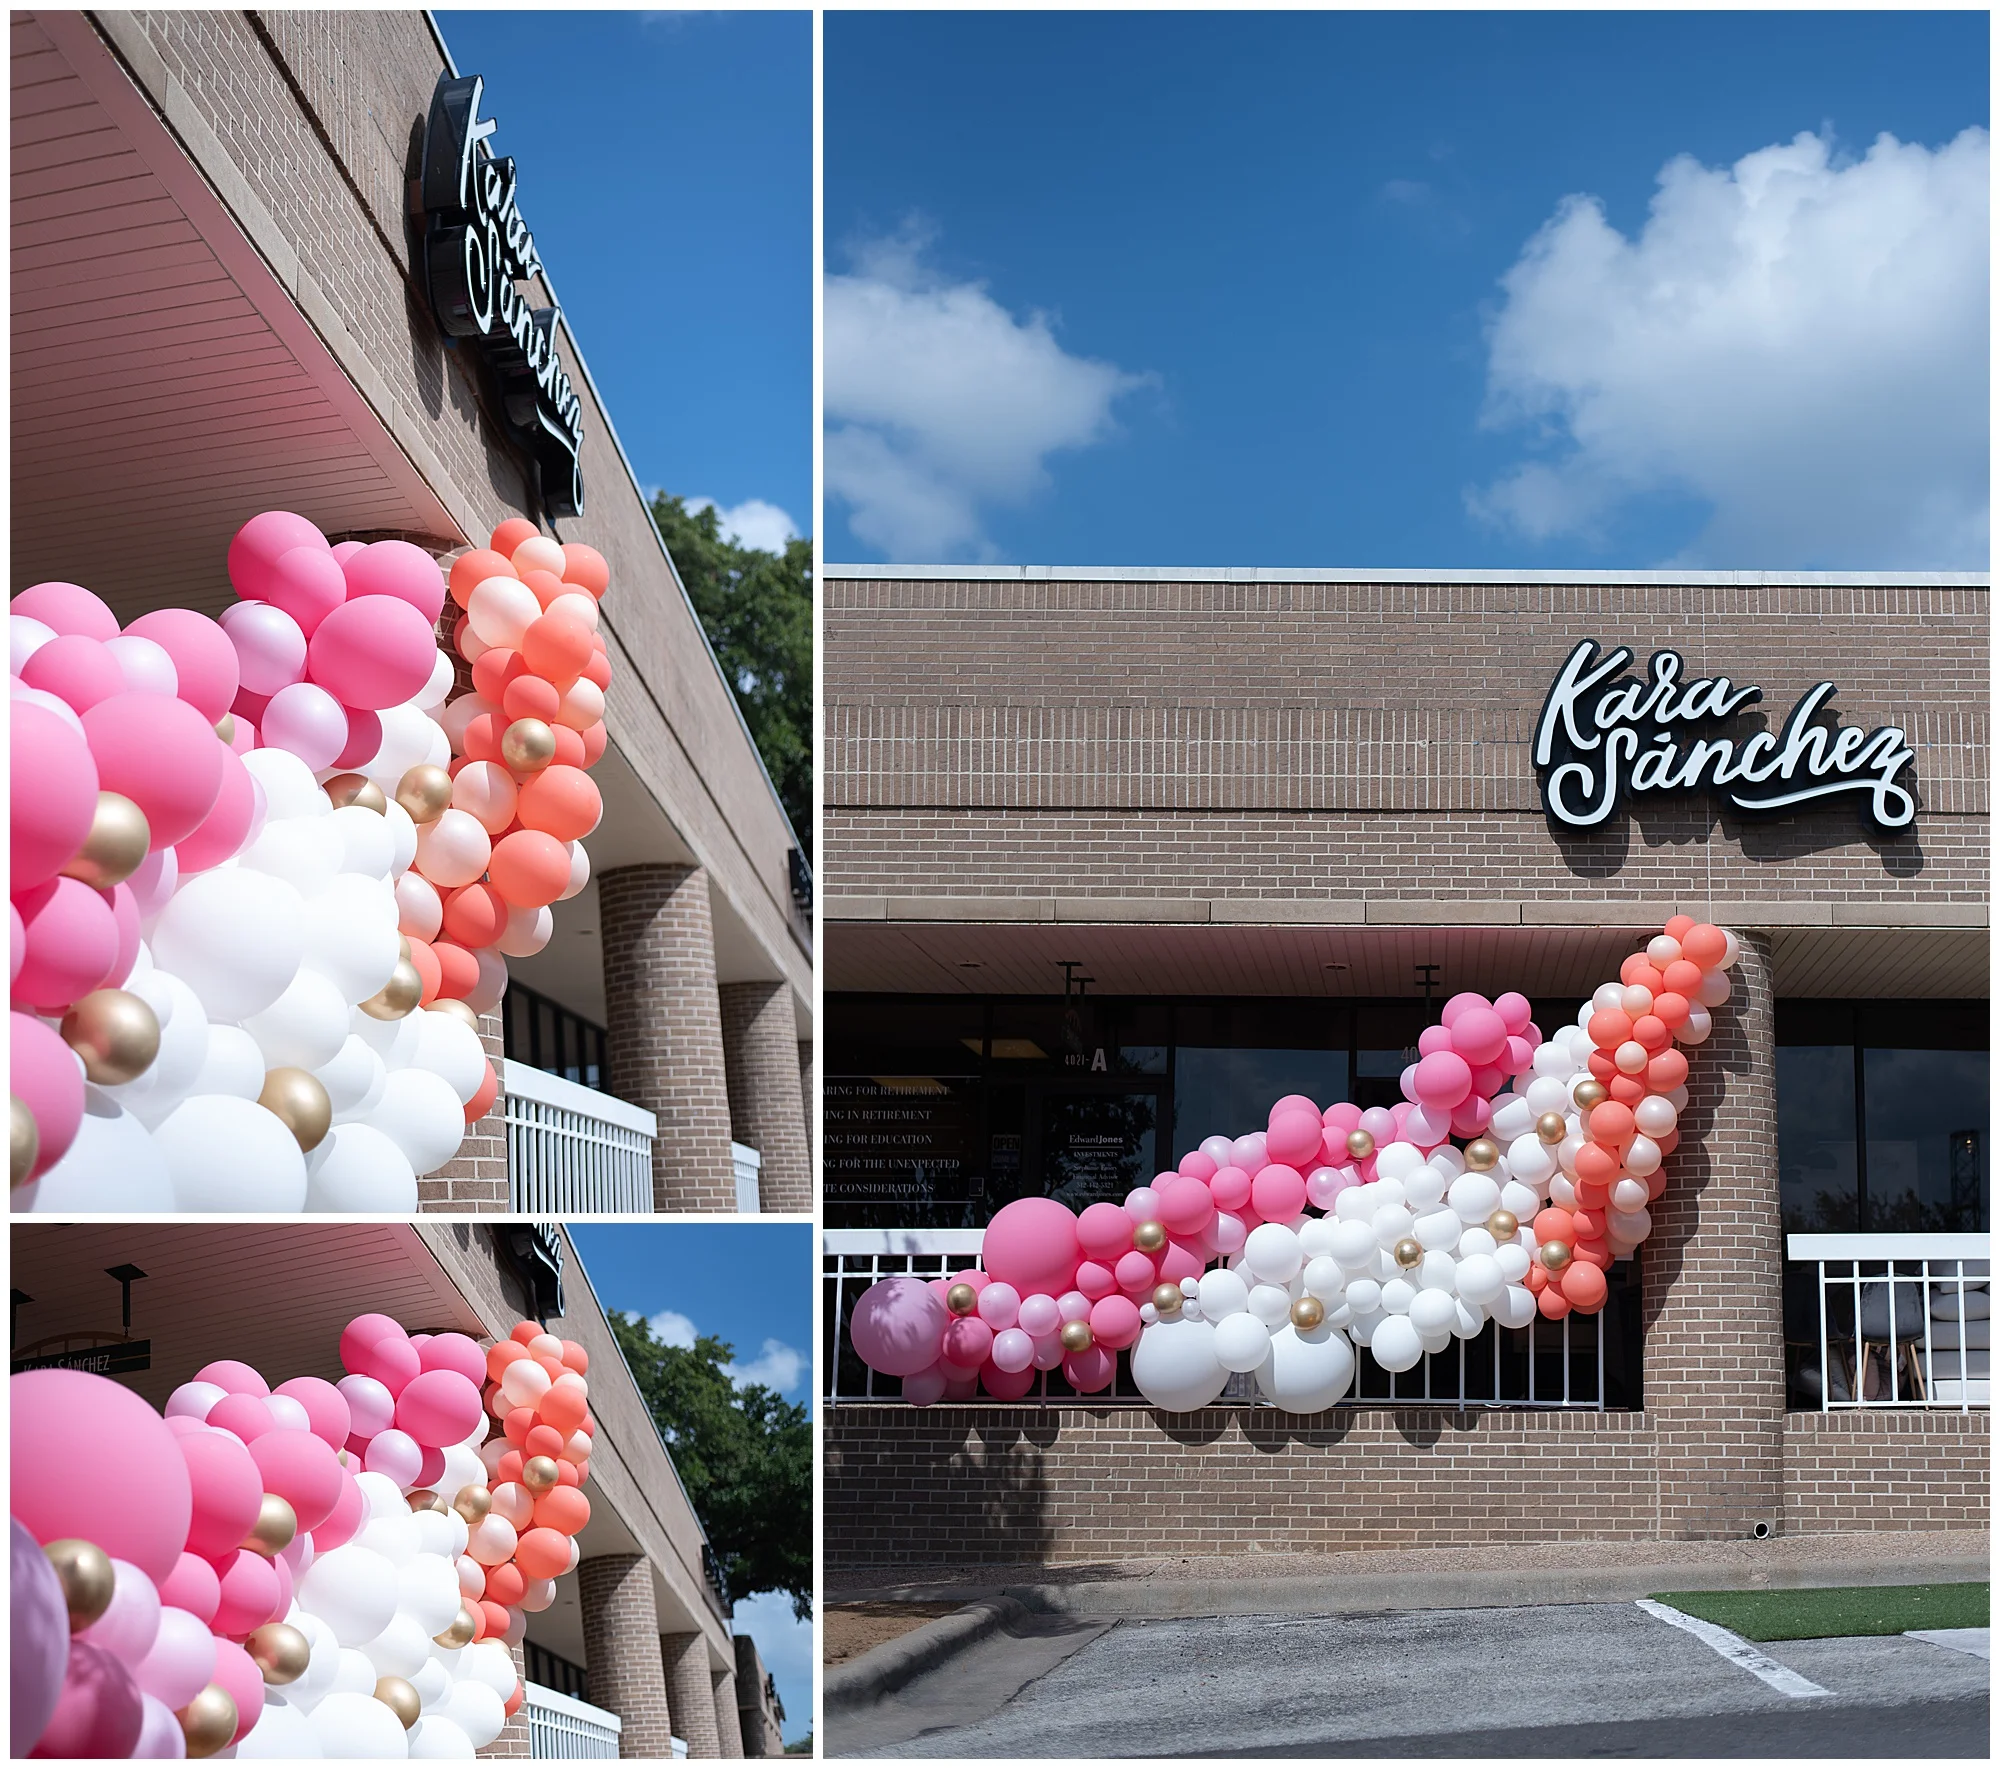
(475, 1178)
(760, 1045)
(728, 1723)
(806, 1095)
(753, 1725)
(619, 1634)
(514, 1740)
(665, 1027)
(1712, 1274)
(690, 1694)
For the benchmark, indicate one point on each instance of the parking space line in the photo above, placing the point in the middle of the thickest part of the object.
(1734, 1648)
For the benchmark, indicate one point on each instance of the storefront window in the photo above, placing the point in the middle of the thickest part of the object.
(1227, 1092)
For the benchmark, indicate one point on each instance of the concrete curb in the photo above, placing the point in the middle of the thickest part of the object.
(886, 1668)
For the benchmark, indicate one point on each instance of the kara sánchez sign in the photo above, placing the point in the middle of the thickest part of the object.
(477, 248)
(1604, 735)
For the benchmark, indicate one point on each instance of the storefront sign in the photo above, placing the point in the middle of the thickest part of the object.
(477, 248)
(117, 1359)
(1604, 735)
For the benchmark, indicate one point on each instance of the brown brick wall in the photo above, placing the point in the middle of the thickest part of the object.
(621, 1650)
(760, 1049)
(728, 1723)
(475, 1179)
(690, 1694)
(664, 1025)
(1852, 1471)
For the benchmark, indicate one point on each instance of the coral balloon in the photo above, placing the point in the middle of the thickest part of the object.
(562, 802)
(530, 868)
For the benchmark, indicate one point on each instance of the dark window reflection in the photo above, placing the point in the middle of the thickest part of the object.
(1818, 1164)
(1230, 1092)
(1926, 1117)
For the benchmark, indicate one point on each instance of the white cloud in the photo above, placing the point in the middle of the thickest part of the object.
(752, 523)
(1798, 341)
(672, 1328)
(940, 402)
(786, 1646)
(776, 1366)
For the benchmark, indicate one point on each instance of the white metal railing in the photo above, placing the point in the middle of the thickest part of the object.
(563, 1727)
(1901, 1319)
(572, 1150)
(749, 1165)
(1546, 1364)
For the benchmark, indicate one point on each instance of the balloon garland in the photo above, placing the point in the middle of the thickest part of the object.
(267, 870)
(320, 1569)
(1419, 1239)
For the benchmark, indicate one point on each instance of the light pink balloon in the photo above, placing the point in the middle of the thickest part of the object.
(309, 722)
(1039, 1315)
(160, 1733)
(454, 850)
(371, 1406)
(270, 647)
(144, 664)
(999, 1306)
(925, 1388)
(372, 652)
(129, 1626)
(156, 880)
(419, 908)
(396, 1454)
(1013, 1349)
(486, 791)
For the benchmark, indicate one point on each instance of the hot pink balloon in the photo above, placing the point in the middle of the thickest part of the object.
(67, 608)
(1187, 1206)
(45, 1076)
(1032, 1244)
(1442, 1079)
(1294, 1136)
(98, 1713)
(305, 582)
(396, 568)
(1177, 1262)
(53, 782)
(968, 1341)
(1459, 1003)
(326, 1408)
(431, 1469)
(1471, 1116)
(306, 720)
(372, 652)
(192, 1586)
(71, 944)
(1196, 1165)
(1515, 1011)
(1094, 1279)
(243, 1416)
(226, 1491)
(1005, 1384)
(1135, 1274)
(1104, 1231)
(1479, 1035)
(1278, 1193)
(374, 1345)
(1230, 1188)
(270, 649)
(225, 831)
(350, 1512)
(204, 659)
(162, 755)
(302, 1471)
(249, 1592)
(233, 1377)
(453, 1351)
(364, 738)
(261, 542)
(77, 671)
(236, 1671)
(439, 1407)
(1090, 1370)
(1114, 1322)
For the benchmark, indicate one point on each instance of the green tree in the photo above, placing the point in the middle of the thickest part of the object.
(757, 610)
(744, 1455)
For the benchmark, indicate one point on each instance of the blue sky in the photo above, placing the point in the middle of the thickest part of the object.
(666, 169)
(752, 1284)
(1292, 316)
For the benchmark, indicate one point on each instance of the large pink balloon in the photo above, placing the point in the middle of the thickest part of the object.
(1479, 1034)
(373, 652)
(204, 659)
(78, 671)
(91, 1459)
(1294, 1136)
(438, 1407)
(44, 1075)
(233, 1377)
(1032, 1244)
(162, 755)
(374, 1345)
(98, 1713)
(54, 786)
(350, 1512)
(67, 608)
(326, 1408)
(225, 1491)
(72, 943)
(1441, 1080)
(306, 583)
(261, 542)
(396, 568)
(226, 828)
(897, 1326)
(242, 1682)
(39, 1640)
(453, 1351)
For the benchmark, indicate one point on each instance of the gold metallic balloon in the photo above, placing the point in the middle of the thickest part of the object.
(26, 1140)
(425, 792)
(1590, 1093)
(399, 996)
(225, 728)
(395, 1694)
(1076, 1336)
(1149, 1237)
(1555, 1255)
(356, 789)
(84, 1571)
(528, 746)
(961, 1299)
(461, 1011)
(115, 1032)
(1409, 1252)
(462, 1630)
(1167, 1300)
(297, 1098)
(277, 1523)
(539, 1473)
(473, 1502)
(1503, 1225)
(280, 1651)
(1360, 1144)
(424, 1498)
(208, 1722)
(1552, 1127)
(1307, 1313)
(116, 846)
(1482, 1154)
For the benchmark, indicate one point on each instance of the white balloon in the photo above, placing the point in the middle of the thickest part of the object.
(402, 839)
(1531, 1160)
(474, 1709)
(402, 1646)
(306, 852)
(392, 1534)
(485, 994)
(1432, 1311)
(1392, 1224)
(351, 1724)
(427, 1593)
(526, 932)
(1324, 1278)
(1398, 1160)
(1513, 1260)
(394, 1041)
(435, 1736)
(1438, 1230)
(229, 1154)
(112, 1166)
(1242, 1343)
(1480, 1279)
(1515, 1119)
(1272, 1253)
(1642, 1157)
(1551, 1093)
(1397, 1295)
(1519, 1200)
(579, 872)
(1475, 1196)
(1439, 1271)
(1222, 1293)
(1175, 1365)
(282, 1731)
(1270, 1304)
(357, 1168)
(1354, 1244)
(1395, 1344)
(354, 1077)
(232, 1064)
(450, 1049)
(431, 1680)
(235, 937)
(423, 1116)
(353, 1591)
(1475, 1240)
(289, 787)
(350, 934)
(366, 845)
(183, 1049)
(1516, 1307)
(306, 1026)
(1309, 1371)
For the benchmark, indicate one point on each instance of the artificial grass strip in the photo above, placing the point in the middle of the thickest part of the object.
(1835, 1611)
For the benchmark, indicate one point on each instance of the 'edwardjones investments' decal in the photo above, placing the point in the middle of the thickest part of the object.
(1604, 734)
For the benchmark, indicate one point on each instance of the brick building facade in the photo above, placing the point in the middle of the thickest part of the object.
(219, 309)
(1264, 815)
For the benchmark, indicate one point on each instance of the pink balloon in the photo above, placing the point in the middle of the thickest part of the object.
(346, 550)
(1433, 1039)
(39, 1640)
(67, 608)
(17, 943)
(1114, 1322)
(98, 1713)
(1032, 1244)
(127, 1628)
(1013, 1350)
(71, 945)
(302, 1471)
(999, 1305)
(1104, 1231)
(143, 664)
(1380, 1123)
(364, 738)
(1342, 1119)
(1196, 1165)
(1094, 1280)
(92, 1459)
(1479, 1035)
(1039, 1315)
(225, 831)
(44, 1075)
(1279, 1192)
(924, 1388)
(1441, 1080)
(968, 1341)
(249, 1592)
(78, 671)
(305, 719)
(1520, 1057)
(371, 1407)
(1090, 1370)
(1005, 1384)
(242, 1682)
(270, 648)
(372, 652)
(396, 568)
(1294, 1136)
(1179, 1262)
(1135, 1274)
(1187, 1206)
(261, 542)
(350, 1512)
(243, 1416)
(226, 1491)
(439, 1407)
(1230, 1188)
(1471, 1115)
(204, 659)
(1459, 1003)
(305, 582)
(233, 1377)
(1514, 1011)
(326, 1408)
(159, 1730)
(374, 1345)
(396, 1454)
(431, 1468)
(192, 1587)
(54, 785)
(453, 1351)
(162, 755)
(158, 877)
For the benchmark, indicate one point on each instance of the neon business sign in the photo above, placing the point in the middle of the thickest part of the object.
(1604, 736)
(476, 250)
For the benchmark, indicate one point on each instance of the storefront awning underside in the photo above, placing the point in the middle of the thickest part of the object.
(1125, 958)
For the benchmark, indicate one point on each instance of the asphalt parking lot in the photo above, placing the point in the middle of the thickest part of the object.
(1586, 1679)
